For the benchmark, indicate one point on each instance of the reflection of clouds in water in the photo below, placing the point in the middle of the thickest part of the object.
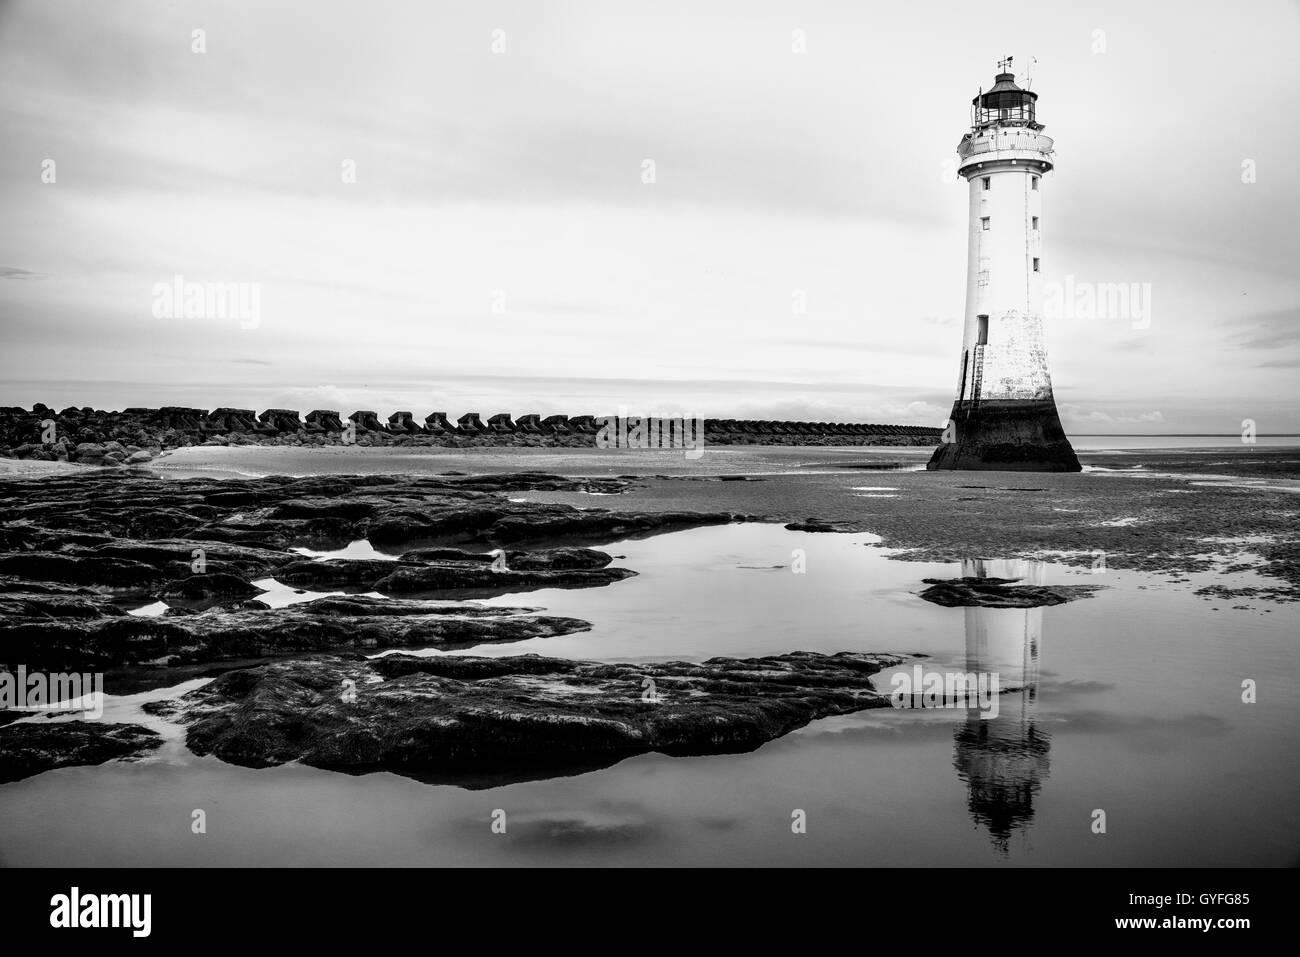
(719, 823)
(1142, 732)
(578, 828)
(1062, 687)
(879, 726)
(605, 823)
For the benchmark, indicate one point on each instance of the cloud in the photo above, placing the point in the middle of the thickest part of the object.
(1266, 330)
(13, 272)
(1097, 417)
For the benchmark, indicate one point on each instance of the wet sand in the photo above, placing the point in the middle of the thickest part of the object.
(1167, 511)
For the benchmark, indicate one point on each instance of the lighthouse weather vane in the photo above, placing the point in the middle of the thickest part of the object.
(1004, 416)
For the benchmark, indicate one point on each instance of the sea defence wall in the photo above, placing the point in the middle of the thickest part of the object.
(135, 435)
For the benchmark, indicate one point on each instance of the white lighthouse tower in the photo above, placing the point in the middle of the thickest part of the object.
(1004, 416)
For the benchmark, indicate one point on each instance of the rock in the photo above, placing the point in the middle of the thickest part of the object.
(99, 644)
(140, 457)
(1000, 593)
(363, 605)
(209, 585)
(13, 585)
(38, 606)
(596, 525)
(549, 558)
(814, 525)
(178, 557)
(335, 573)
(485, 721)
(85, 569)
(33, 747)
(486, 579)
(103, 543)
(348, 508)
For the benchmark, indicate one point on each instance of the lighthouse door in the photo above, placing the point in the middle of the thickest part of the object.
(983, 333)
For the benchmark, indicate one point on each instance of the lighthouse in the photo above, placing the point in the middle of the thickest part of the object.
(1004, 416)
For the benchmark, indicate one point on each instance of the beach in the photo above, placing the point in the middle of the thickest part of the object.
(1127, 696)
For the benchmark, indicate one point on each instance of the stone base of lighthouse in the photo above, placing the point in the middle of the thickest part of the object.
(1009, 435)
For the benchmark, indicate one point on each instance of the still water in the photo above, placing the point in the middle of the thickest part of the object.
(1128, 702)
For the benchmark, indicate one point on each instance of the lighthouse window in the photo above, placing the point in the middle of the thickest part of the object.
(1033, 183)
(1035, 222)
(988, 180)
(984, 222)
(1035, 264)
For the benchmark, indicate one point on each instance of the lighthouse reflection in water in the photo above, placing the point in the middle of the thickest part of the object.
(1003, 758)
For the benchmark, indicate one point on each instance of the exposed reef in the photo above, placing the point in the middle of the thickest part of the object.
(35, 746)
(479, 722)
(79, 552)
(1000, 593)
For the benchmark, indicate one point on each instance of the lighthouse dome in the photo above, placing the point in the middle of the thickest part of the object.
(1005, 104)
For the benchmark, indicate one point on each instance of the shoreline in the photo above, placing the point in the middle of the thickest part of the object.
(1169, 511)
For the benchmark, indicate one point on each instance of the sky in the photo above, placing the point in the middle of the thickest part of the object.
(444, 206)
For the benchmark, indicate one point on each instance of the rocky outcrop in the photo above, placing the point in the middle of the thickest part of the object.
(817, 525)
(40, 605)
(106, 572)
(1000, 593)
(103, 644)
(485, 580)
(480, 722)
(33, 747)
(546, 559)
(78, 551)
(434, 570)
